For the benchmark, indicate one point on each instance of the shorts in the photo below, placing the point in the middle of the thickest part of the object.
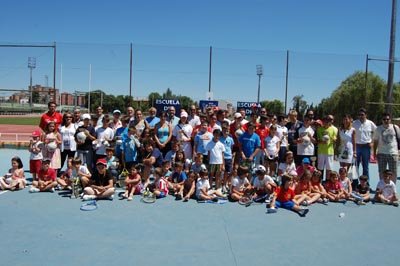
(162, 195)
(34, 166)
(286, 205)
(325, 162)
(275, 159)
(228, 165)
(215, 168)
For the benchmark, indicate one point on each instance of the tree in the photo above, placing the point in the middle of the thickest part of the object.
(300, 105)
(274, 107)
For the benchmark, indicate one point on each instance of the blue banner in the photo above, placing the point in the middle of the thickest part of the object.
(249, 107)
(162, 105)
(204, 104)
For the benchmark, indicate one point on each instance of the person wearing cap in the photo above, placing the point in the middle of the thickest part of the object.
(364, 139)
(101, 185)
(46, 178)
(152, 119)
(116, 121)
(305, 165)
(84, 149)
(263, 184)
(182, 133)
(36, 156)
(51, 116)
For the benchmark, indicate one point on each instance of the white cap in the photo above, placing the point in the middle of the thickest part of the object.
(184, 114)
(117, 111)
(261, 168)
(86, 116)
(237, 115)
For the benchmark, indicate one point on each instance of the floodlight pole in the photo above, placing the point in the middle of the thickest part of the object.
(31, 66)
(259, 74)
(389, 92)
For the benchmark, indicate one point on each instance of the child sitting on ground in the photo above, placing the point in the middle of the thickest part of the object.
(160, 185)
(132, 183)
(263, 184)
(15, 178)
(346, 183)
(284, 197)
(240, 184)
(197, 164)
(362, 189)
(46, 178)
(65, 180)
(80, 172)
(203, 188)
(304, 189)
(334, 188)
(317, 187)
(189, 186)
(177, 179)
(386, 190)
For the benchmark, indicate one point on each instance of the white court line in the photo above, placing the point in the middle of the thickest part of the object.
(5, 191)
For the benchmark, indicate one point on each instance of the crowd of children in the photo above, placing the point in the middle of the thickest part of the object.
(197, 157)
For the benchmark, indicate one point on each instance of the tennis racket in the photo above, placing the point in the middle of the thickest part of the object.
(148, 197)
(89, 206)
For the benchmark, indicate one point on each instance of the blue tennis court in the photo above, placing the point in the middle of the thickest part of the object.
(50, 229)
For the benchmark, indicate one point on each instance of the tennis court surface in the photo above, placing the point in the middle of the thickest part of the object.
(50, 229)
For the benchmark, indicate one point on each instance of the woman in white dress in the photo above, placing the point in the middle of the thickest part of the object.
(182, 133)
(347, 142)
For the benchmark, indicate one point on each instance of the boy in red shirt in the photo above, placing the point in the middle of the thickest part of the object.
(46, 178)
(284, 197)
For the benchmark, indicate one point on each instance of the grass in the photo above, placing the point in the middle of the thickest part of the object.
(20, 120)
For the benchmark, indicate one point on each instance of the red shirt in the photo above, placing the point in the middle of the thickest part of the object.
(333, 187)
(302, 186)
(283, 195)
(301, 168)
(56, 117)
(263, 132)
(49, 175)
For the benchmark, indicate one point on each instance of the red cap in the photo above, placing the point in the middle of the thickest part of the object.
(36, 133)
(101, 161)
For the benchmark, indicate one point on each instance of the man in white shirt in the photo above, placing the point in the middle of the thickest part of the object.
(385, 146)
(364, 131)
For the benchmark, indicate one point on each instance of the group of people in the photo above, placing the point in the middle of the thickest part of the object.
(206, 155)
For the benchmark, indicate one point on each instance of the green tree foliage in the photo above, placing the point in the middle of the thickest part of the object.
(184, 100)
(274, 107)
(351, 95)
(300, 105)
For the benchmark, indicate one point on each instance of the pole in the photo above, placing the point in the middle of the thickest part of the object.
(31, 90)
(90, 85)
(130, 77)
(209, 75)
(101, 98)
(287, 79)
(366, 80)
(389, 93)
(61, 85)
(258, 92)
(54, 70)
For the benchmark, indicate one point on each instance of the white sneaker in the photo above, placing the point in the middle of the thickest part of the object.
(34, 190)
(52, 190)
(88, 197)
(111, 197)
(272, 210)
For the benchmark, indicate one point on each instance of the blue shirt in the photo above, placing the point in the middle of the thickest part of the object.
(179, 177)
(152, 121)
(228, 143)
(201, 140)
(249, 143)
(129, 148)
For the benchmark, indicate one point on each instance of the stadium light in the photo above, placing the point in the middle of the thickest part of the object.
(260, 72)
(31, 66)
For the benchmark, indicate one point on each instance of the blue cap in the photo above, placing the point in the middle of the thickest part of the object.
(306, 161)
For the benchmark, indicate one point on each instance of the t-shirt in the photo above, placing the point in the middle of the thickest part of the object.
(162, 185)
(87, 145)
(197, 167)
(271, 146)
(282, 133)
(259, 184)
(288, 168)
(82, 169)
(48, 175)
(284, 195)
(103, 134)
(201, 184)
(102, 179)
(387, 141)
(263, 133)
(216, 150)
(333, 187)
(305, 148)
(239, 183)
(201, 140)
(249, 143)
(388, 190)
(228, 143)
(179, 177)
(362, 190)
(39, 155)
(364, 131)
(46, 118)
(331, 133)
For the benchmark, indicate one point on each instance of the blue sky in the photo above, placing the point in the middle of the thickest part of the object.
(327, 40)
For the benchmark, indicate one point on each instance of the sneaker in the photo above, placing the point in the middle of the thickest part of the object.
(129, 198)
(360, 202)
(272, 210)
(52, 190)
(178, 197)
(325, 200)
(111, 197)
(395, 203)
(303, 212)
(88, 197)
(34, 190)
(304, 203)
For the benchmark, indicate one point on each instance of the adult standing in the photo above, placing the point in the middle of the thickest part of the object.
(77, 120)
(140, 123)
(249, 144)
(193, 118)
(100, 115)
(131, 113)
(326, 135)
(183, 134)
(293, 127)
(347, 142)
(51, 116)
(172, 119)
(163, 134)
(364, 133)
(152, 119)
(305, 141)
(68, 143)
(386, 137)
(84, 149)
(116, 122)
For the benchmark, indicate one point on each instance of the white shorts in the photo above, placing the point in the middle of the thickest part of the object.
(325, 162)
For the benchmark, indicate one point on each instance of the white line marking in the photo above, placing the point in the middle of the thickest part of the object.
(5, 191)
